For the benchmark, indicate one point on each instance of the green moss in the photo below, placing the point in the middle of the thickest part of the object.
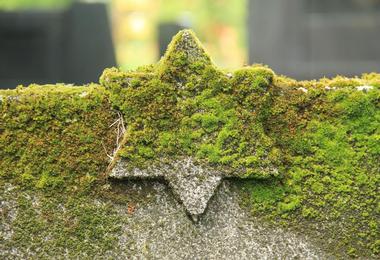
(308, 212)
(184, 57)
(329, 139)
(290, 203)
(70, 226)
(263, 194)
(206, 114)
(312, 147)
(52, 137)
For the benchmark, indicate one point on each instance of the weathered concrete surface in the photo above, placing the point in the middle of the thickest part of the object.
(192, 184)
(161, 229)
(158, 227)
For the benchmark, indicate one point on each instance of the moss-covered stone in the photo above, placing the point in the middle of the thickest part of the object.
(185, 106)
(328, 132)
(322, 137)
(52, 137)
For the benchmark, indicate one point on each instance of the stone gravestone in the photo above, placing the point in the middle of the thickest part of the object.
(216, 227)
(193, 184)
(71, 46)
(189, 145)
(316, 38)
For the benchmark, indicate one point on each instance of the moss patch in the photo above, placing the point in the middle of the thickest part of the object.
(329, 136)
(185, 106)
(313, 148)
(70, 226)
(53, 137)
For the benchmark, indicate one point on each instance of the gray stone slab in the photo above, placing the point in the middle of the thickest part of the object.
(193, 184)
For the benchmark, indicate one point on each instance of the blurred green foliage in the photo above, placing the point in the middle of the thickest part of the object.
(32, 4)
(206, 13)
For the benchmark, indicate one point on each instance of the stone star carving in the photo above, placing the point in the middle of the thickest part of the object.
(193, 181)
(192, 184)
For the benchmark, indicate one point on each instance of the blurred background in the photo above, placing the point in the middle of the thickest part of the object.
(72, 41)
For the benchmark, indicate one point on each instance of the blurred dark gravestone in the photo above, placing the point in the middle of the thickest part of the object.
(166, 31)
(315, 38)
(49, 46)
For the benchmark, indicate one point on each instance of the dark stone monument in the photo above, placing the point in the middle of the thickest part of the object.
(70, 46)
(315, 38)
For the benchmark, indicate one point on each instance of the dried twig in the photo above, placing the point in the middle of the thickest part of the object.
(120, 130)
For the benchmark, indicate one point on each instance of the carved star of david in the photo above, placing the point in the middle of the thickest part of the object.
(192, 182)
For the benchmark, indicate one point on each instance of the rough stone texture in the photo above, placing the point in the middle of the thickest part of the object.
(192, 184)
(161, 230)
(9, 215)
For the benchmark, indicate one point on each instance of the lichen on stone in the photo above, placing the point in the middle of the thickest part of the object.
(185, 106)
(310, 151)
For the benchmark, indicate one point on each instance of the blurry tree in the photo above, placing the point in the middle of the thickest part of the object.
(220, 24)
(32, 4)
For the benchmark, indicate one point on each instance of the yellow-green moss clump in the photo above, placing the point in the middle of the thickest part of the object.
(329, 135)
(312, 148)
(52, 156)
(185, 106)
(51, 136)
